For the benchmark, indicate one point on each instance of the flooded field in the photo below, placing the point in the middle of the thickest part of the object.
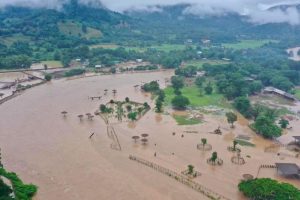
(57, 154)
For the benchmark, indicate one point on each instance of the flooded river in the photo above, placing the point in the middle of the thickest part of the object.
(56, 153)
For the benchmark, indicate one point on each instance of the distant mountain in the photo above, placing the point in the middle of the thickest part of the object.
(77, 24)
(227, 27)
(74, 23)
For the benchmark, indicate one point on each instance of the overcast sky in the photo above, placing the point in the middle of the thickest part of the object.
(255, 9)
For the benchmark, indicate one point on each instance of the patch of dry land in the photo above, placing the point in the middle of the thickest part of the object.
(56, 153)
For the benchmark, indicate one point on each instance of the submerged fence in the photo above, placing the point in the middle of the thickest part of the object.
(111, 133)
(180, 178)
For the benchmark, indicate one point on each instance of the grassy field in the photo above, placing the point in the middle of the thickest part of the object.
(184, 120)
(105, 46)
(52, 63)
(247, 44)
(164, 47)
(297, 93)
(16, 38)
(245, 143)
(196, 100)
(75, 29)
(199, 63)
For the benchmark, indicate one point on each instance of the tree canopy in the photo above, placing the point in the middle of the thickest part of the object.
(180, 102)
(268, 189)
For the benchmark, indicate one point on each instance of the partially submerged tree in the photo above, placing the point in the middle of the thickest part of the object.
(283, 123)
(180, 102)
(48, 77)
(190, 169)
(268, 189)
(214, 157)
(177, 82)
(231, 118)
(234, 145)
(158, 106)
(242, 104)
(204, 142)
(266, 127)
(132, 116)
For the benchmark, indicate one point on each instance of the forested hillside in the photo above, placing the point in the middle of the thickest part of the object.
(35, 34)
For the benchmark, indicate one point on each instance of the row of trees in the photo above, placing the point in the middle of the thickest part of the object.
(179, 102)
(264, 117)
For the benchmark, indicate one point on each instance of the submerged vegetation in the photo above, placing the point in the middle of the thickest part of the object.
(265, 188)
(186, 120)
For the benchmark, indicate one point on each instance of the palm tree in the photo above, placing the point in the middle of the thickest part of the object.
(214, 157)
(190, 169)
(204, 142)
(234, 145)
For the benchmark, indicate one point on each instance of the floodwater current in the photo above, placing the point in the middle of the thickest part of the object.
(56, 153)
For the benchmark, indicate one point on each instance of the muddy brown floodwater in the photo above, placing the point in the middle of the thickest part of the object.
(56, 153)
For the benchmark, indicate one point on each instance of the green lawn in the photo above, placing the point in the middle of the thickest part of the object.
(247, 44)
(52, 63)
(199, 63)
(164, 47)
(15, 38)
(184, 120)
(244, 143)
(193, 94)
(297, 93)
(105, 46)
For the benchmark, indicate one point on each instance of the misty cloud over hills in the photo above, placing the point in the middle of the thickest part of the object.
(258, 11)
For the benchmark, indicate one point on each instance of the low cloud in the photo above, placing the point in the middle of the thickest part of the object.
(257, 10)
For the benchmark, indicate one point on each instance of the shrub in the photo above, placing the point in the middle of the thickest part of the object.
(74, 72)
(48, 77)
(180, 102)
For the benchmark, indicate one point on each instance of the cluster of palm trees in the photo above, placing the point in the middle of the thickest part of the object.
(114, 91)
